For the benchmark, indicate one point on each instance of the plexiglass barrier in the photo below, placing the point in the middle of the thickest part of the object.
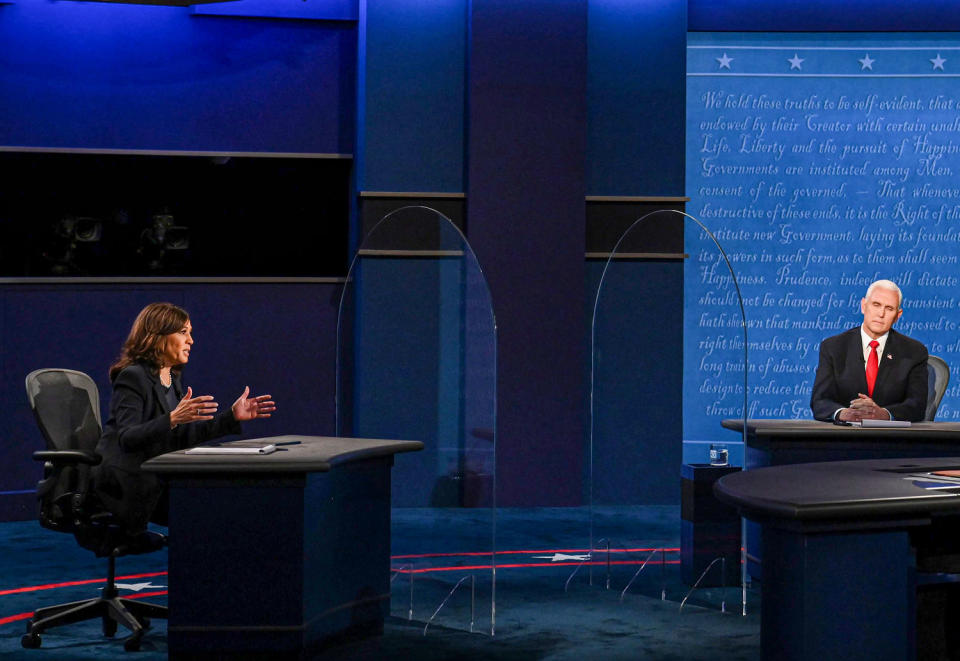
(668, 364)
(417, 361)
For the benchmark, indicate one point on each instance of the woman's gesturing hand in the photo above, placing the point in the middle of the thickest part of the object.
(250, 408)
(192, 409)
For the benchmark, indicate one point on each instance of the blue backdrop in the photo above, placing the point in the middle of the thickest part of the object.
(822, 162)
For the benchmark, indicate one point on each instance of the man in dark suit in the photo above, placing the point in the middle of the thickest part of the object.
(872, 372)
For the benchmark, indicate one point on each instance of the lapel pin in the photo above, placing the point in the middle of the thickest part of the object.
(889, 356)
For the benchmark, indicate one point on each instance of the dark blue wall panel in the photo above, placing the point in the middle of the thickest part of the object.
(100, 75)
(343, 10)
(637, 427)
(525, 200)
(278, 339)
(411, 101)
(636, 95)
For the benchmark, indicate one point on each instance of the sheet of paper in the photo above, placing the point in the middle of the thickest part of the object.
(885, 423)
(232, 449)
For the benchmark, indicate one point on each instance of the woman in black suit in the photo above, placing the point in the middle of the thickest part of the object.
(150, 415)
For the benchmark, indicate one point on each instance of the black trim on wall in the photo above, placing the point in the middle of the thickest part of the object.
(374, 205)
(609, 217)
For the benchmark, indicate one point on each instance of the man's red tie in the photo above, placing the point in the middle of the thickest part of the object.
(872, 363)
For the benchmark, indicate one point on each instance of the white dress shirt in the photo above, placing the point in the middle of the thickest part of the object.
(865, 341)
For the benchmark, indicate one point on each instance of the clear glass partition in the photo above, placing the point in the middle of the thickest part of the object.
(668, 366)
(417, 361)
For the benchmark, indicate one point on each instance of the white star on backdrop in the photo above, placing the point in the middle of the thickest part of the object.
(795, 62)
(724, 61)
(866, 62)
(938, 62)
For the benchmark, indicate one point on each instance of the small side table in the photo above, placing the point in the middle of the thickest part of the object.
(709, 529)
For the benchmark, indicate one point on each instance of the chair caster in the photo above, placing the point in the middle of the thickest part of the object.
(132, 644)
(31, 641)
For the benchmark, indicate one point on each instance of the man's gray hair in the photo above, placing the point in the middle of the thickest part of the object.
(887, 284)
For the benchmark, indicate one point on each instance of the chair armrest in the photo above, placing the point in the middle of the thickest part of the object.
(68, 457)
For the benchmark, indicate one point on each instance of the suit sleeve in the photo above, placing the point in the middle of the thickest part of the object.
(195, 433)
(136, 431)
(824, 397)
(914, 404)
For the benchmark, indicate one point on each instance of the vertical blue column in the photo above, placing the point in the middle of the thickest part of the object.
(636, 95)
(525, 206)
(411, 95)
(636, 98)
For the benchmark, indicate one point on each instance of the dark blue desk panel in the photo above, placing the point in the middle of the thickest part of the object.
(274, 553)
(840, 541)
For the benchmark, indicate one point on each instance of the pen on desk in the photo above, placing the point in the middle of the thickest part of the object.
(287, 443)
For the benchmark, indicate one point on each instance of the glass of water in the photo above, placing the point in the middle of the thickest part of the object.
(718, 454)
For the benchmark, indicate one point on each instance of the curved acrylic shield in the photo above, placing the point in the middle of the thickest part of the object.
(668, 364)
(417, 361)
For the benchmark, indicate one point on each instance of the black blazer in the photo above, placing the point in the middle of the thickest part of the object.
(139, 429)
(901, 385)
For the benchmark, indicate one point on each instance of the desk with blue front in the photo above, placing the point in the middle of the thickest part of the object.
(780, 442)
(274, 553)
(846, 544)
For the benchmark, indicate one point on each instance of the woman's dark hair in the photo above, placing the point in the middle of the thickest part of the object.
(147, 337)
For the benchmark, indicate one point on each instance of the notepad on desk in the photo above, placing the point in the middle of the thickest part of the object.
(874, 424)
(232, 449)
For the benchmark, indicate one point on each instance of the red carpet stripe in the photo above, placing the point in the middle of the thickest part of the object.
(15, 618)
(599, 563)
(568, 551)
(51, 586)
(423, 570)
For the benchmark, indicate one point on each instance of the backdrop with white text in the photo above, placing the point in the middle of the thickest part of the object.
(821, 162)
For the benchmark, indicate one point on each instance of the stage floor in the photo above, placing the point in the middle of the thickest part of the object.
(551, 598)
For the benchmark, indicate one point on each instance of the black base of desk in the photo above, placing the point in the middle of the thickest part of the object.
(709, 529)
(278, 564)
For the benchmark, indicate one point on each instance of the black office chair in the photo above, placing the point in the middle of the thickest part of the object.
(66, 405)
(938, 377)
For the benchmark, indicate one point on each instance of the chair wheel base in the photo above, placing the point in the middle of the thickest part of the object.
(31, 641)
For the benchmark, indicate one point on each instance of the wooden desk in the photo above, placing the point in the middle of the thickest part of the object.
(840, 542)
(273, 553)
